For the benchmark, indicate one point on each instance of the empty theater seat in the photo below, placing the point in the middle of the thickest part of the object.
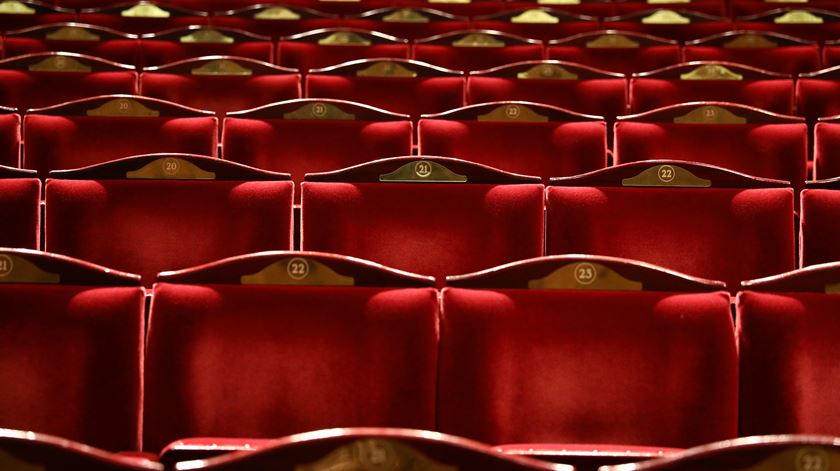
(397, 85)
(831, 53)
(142, 17)
(21, 14)
(566, 85)
(701, 220)
(431, 215)
(518, 137)
(26, 450)
(160, 212)
(327, 47)
(476, 49)
(197, 41)
(818, 94)
(9, 138)
(20, 212)
(786, 326)
(616, 51)
(679, 25)
(314, 325)
(71, 334)
(408, 23)
(310, 135)
(818, 230)
(714, 81)
(274, 20)
(100, 129)
(221, 83)
(541, 23)
(50, 78)
(800, 22)
(575, 349)
(762, 49)
(826, 140)
(73, 37)
(737, 137)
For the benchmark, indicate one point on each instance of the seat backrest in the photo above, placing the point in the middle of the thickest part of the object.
(715, 81)
(20, 209)
(274, 20)
(407, 22)
(50, 78)
(9, 137)
(142, 17)
(818, 94)
(71, 334)
(25, 13)
(311, 135)
(196, 41)
(313, 323)
(397, 85)
(616, 51)
(80, 38)
(333, 46)
(737, 137)
(701, 220)
(762, 49)
(826, 139)
(100, 129)
(518, 137)
(800, 21)
(161, 212)
(819, 227)
(565, 85)
(476, 49)
(431, 215)
(221, 83)
(530, 354)
(543, 23)
(680, 24)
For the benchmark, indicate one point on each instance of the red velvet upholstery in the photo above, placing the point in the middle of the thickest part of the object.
(305, 51)
(9, 138)
(831, 54)
(309, 347)
(804, 23)
(407, 22)
(431, 228)
(537, 23)
(75, 350)
(66, 136)
(765, 145)
(169, 46)
(818, 94)
(431, 90)
(603, 50)
(787, 331)
(444, 50)
(572, 365)
(764, 50)
(565, 144)
(149, 225)
(41, 13)
(680, 25)
(306, 143)
(826, 141)
(98, 42)
(24, 88)
(274, 21)
(20, 211)
(221, 92)
(680, 83)
(592, 92)
(819, 229)
(112, 16)
(740, 231)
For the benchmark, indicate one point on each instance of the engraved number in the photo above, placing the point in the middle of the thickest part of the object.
(666, 173)
(585, 273)
(423, 169)
(171, 166)
(811, 459)
(298, 268)
(6, 265)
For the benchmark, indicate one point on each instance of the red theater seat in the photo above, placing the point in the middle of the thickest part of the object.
(20, 211)
(471, 8)
(819, 229)
(616, 51)
(274, 20)
(826, 142)
(476, 49)
(818, 94)
(708, 7)
(396, 85)
(762, 49)
(408, 23)
(529, 352)
(221, 83)
(197, 41)
(73, 37)
(314, 324)
(595, 8)
(141, 17)
(162, 212)
(50, 78)
(566, 85)
(737, 137)
(831, 53)
(100, 129)
(804, 23)
(9, 138)
(23, 450)
(752, 7)
(25, 13)
(541, 23)
(430, 215)
(679, 25)
(518, 137)
(715, 81)
(786, 327)
(309, 135)
(328, 47)
(701, 220)
(71, 334)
